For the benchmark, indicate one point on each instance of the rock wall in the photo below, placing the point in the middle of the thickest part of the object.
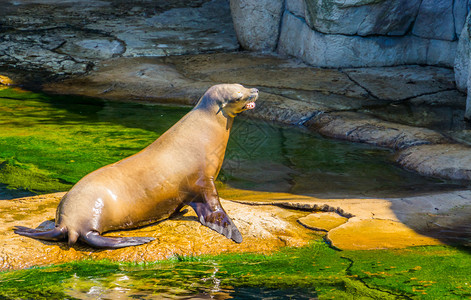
(463, 57)
(360, 33)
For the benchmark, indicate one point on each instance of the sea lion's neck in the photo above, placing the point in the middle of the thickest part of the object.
(215, 110)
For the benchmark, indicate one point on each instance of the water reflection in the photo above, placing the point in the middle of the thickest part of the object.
(268, 157)
(179, 281)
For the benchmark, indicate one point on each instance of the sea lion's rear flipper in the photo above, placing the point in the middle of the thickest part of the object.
(94, 239)
(217, 220)
(55, 234)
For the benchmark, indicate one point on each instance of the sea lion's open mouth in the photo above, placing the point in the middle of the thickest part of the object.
(250, 105)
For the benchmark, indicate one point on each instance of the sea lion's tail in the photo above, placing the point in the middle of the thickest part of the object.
(92, 238)
(56, 234)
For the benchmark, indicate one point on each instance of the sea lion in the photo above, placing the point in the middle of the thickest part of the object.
(176, 170)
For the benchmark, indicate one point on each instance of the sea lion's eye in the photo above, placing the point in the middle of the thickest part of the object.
(238, 96)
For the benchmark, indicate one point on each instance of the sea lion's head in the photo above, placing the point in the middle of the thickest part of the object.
(232, 99)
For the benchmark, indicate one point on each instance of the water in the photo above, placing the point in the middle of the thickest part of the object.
(47, 143)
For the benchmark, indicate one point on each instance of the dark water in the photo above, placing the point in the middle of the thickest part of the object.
(47, 143)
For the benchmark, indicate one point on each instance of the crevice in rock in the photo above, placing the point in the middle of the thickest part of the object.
(370, 93)
(307, 119)
(455, 37)
(310, 227)
(420, 95)
(280, 25)
(350, 273)
(309, 207)
(412, 24)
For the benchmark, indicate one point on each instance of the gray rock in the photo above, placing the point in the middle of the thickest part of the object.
(257, 23)
(451, 161)
(438, 111)
(435, 20)
(267, 71)
(460, 11)
(362, 17)
(296, 7)
(279, 109)
(332, 101)
(461, 64)
(451, 98)
(356, 127)
(34, 52)
(404, 82)
(440, 52)
(329, 50)
(176, 31)
(69, 37)
(92, 48)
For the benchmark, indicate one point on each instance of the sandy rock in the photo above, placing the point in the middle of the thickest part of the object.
(266, 71)
(403, 82)
(266, 220)
(275, 226)
(357, 127)
(257, 23)
(362, 234)
(384, 223)
(322, 221)
(452, 161)
(134, 79)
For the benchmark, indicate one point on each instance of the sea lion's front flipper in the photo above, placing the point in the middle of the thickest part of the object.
(94, 239)
(55, 234)
(217, 220)
(211, 214)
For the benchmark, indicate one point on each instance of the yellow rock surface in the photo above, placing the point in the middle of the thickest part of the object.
(264, 229)
(322, 221)
(367, 234)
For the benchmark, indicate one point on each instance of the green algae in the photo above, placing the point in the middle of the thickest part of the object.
(433, 272)
(48, 143)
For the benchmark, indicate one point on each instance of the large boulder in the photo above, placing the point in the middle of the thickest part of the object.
(461, 66)
(335, 50)
(362, 17)
(435, 20)
(257, 23)
(296, 7)
(460, 11)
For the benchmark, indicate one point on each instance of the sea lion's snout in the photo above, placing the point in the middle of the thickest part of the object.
(251, 99)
